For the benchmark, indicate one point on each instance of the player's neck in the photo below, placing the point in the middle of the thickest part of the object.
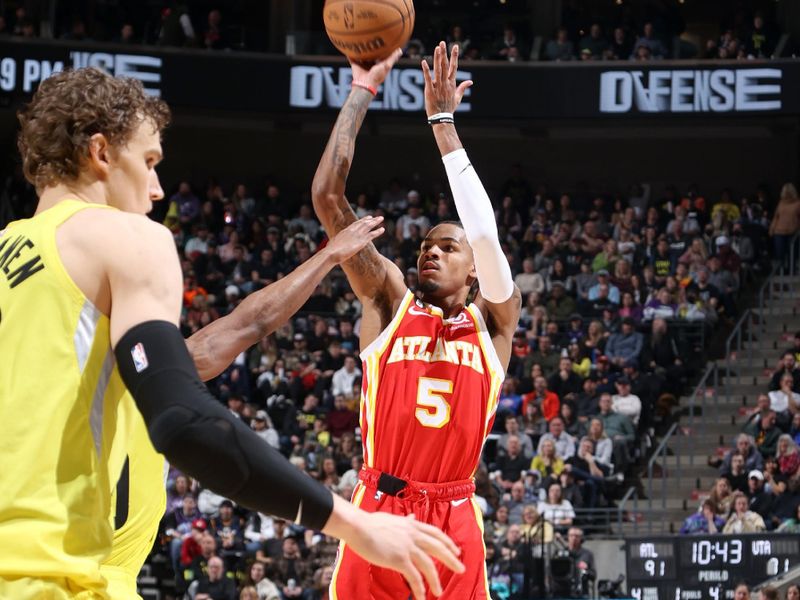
(451, 306)
(90, 193)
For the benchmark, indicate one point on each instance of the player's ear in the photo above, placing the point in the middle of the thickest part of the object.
(99, 156)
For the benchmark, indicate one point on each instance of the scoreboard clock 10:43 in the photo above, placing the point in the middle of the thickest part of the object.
(705, 567)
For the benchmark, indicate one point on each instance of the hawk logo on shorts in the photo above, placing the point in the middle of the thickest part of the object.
(139, 357)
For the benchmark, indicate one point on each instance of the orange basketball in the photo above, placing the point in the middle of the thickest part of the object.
(368, 30)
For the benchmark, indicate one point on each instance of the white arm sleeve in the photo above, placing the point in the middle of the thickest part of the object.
(477, 216)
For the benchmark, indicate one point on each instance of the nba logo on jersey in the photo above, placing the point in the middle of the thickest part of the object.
(139, 357)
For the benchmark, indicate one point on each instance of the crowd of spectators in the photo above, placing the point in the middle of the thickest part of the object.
(610, 283)
(618, 35)
(759, 484)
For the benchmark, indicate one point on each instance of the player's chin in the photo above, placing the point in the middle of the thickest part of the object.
(427, 285)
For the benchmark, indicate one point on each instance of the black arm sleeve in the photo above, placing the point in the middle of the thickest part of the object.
(203, 439)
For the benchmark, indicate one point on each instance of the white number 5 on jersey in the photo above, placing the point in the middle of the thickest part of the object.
(432, 409)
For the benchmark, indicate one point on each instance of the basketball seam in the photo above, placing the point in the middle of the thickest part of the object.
(386, 26)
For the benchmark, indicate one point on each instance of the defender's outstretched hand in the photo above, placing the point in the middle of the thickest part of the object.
(442, 95)
(406, 546)
(375, 75)
(355, 237)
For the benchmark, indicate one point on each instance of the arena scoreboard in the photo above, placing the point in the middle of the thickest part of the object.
(690, 567)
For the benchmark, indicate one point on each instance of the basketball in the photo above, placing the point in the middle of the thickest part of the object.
(368, 30)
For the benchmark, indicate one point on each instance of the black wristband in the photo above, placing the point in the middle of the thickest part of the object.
(440, 118)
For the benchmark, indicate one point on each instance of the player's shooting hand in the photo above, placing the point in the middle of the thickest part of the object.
(442, 94)
(407, 546)
(375, 74)
(354, 237)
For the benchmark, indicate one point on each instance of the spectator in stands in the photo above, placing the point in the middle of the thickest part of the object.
(198, 568)
(743, 520)
(263, 427)
(555, 509)
(759, 41)
(511, 463)
(760, 500)
(265, 588)
(564, 442)
(791, 526)
(785, 223)
(560, 48)
(765, 434)
(742, 592)
(595, 42)
(769, 593)
(214, 585)
(565, 381)
(621, 47)
(705, 521)
(785, 401)
(649, 40)
(512, 429)
(343, 379)
(794, 430)
(510, 401)
(745, 445)
(547, 463)
(626, 403)
(737, 477)
(620, 429)
(625, 347)
(180, 488)
(721, 497)
(788, 366)
(545, 356)
(793, 591)
(529, 280)
(661, 306)
(510, 47)
(228, 531)
(177, 526)
(788, 457)
(560, 305)
(603, 279)
(547, 402)
(586, 473)
(292, 573)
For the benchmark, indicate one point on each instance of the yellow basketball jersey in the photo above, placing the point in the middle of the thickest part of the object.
(138, 500)
(59, 391)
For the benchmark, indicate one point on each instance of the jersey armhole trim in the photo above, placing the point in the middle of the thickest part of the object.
(69, 209)
(378, 345)
(487, 345)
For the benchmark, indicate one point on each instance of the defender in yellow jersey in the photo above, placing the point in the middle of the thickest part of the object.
(90, 297)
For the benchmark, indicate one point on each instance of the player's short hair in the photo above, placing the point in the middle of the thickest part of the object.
(70, 107)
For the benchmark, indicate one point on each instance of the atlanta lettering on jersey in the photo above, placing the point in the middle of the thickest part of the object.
(454, 352)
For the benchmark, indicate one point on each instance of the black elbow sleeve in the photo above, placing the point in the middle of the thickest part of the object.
(202, 438)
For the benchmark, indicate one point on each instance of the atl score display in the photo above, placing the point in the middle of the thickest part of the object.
(705, 567)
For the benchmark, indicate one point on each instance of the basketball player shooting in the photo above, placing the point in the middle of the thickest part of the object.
(433, 366)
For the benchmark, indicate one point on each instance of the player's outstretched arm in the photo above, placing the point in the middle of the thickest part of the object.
(216, 345)
(203, 439)
(499, 297)
(374, 279)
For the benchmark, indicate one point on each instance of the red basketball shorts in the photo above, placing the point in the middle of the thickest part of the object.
(451, 509)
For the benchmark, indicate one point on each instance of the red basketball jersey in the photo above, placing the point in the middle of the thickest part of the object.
(429, 394)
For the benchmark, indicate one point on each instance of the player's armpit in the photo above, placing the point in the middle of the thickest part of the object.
(502, 320)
